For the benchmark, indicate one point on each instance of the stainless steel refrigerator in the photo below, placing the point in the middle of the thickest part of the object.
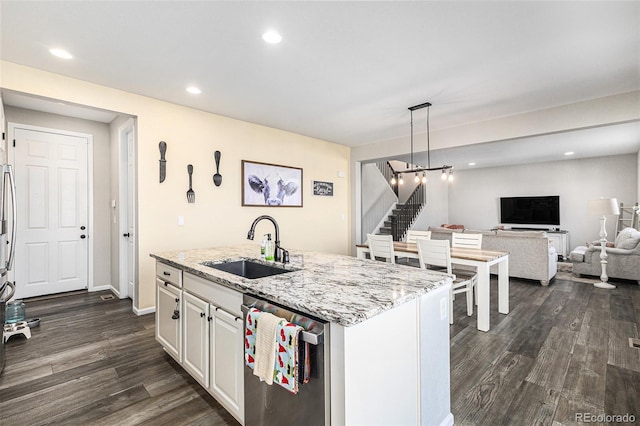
(7, 245)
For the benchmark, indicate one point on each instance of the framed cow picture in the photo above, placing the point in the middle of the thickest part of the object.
(271, 185)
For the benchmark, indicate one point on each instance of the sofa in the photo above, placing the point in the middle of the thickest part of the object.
(531, 255)
(623, 259)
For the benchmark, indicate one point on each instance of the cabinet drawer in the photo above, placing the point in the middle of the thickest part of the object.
(169, 273)
(216, 294)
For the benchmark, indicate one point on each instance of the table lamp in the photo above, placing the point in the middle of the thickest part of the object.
(603, 207)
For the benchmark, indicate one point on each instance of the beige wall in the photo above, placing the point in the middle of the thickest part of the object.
(192, 136)
(101, 176)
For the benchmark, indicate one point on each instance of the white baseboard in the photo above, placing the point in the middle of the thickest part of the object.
(116, 292)
(448, 421)
(99, 288)
(144, 311)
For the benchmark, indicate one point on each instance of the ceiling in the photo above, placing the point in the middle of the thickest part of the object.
(345, 72)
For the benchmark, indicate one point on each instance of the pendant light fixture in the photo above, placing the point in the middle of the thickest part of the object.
(447, 171)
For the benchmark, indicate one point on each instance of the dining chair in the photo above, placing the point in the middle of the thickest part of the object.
(381, 246)
(438, 253)
(463, 240)
(412, 234)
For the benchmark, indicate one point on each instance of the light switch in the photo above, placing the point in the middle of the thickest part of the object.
(180, 220)
(113, 204)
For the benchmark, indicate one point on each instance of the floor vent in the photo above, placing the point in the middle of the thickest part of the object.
(634, 343)
(107, 297)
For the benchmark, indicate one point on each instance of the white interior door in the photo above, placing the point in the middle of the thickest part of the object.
(130, 213)
(52, 198)
(128, 210)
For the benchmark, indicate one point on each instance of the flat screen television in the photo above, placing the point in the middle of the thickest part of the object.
(530, 210)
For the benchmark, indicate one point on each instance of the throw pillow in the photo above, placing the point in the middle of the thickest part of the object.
(625, 234)
(628, 239)
(443, 229)
(452, 226)
(609, 244)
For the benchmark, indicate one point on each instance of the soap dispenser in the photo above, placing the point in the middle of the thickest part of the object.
(269, 249)
(263, 247)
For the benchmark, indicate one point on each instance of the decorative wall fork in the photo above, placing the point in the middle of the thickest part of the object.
(191, 195)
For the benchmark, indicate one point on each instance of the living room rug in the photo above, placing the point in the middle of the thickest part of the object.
(568, 276)
(565, 272)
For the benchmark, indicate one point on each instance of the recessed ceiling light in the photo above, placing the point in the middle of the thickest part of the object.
(272, 37)
(472, 164)
(60, 53)
(569, 153)
(194, 90)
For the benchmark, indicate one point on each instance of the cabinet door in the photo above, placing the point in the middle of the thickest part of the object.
(168, 328)
(227, 361)
(559, 242)
(196, 338)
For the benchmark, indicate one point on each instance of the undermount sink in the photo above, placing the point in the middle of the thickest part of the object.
(247, 269)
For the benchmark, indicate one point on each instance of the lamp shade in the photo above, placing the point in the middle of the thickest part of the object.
(603, 207)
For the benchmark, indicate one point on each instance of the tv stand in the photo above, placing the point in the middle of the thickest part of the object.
(519, 228)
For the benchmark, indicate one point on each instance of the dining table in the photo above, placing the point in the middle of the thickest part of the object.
(480, 259)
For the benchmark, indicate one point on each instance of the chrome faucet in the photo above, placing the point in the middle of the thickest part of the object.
(280, 255)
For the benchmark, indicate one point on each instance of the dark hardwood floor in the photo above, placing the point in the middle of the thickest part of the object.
(561, 352)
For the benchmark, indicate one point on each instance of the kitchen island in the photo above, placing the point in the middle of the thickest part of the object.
(388, 340)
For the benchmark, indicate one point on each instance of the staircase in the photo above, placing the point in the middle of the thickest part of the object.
(381, 203)
(403, 215)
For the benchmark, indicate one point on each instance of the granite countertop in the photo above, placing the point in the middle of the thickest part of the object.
(341, 289)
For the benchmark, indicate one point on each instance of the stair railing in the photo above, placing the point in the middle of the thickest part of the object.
(388, 172)
(407, 213)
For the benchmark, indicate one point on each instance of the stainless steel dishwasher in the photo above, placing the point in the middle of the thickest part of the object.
(271, 404)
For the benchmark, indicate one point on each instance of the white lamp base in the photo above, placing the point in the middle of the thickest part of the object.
(606, 286)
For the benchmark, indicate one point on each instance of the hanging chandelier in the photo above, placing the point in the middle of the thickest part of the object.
(447, 171)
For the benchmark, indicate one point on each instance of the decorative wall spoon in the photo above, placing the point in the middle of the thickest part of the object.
(217, 178)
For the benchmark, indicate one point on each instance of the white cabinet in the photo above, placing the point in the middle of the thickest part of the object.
(169, 274)
(196, 338)
(560, 241)
(168, 318)
(213, 333)
(227, 360)
(200, 324)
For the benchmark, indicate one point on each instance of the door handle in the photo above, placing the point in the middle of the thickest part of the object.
(127, 235)
(83, 236)
(82, 228)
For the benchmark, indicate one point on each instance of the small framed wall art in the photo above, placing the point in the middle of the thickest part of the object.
(271, 185)
(323, 188)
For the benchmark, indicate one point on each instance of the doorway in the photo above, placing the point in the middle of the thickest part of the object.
(53, 176)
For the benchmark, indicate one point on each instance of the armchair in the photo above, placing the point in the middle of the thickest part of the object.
(623, 261)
